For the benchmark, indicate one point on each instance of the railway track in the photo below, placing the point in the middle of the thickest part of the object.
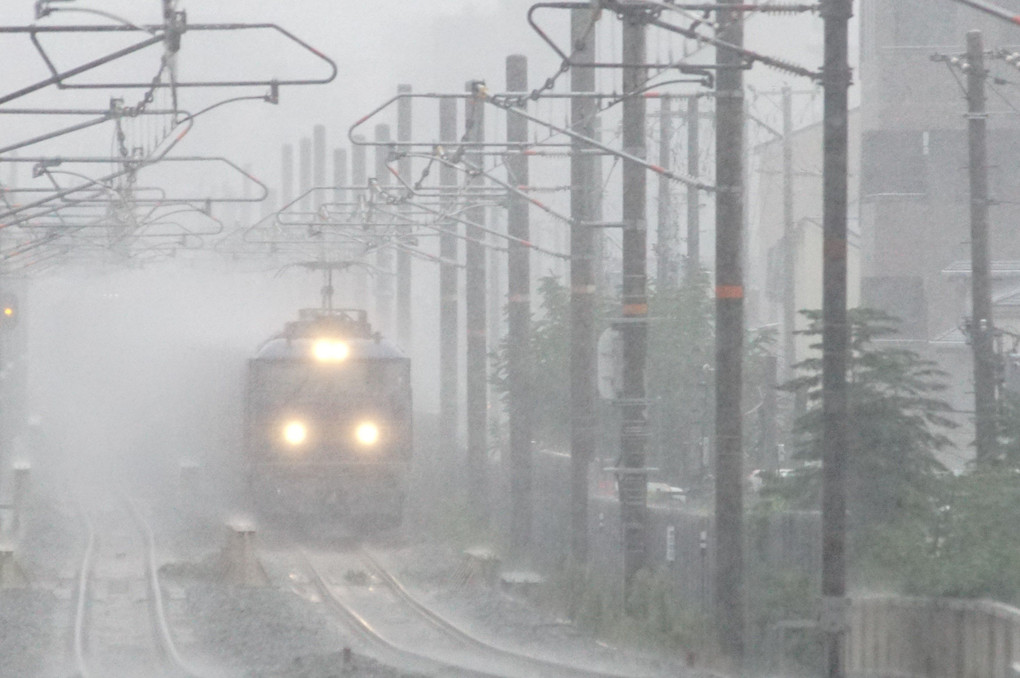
(120, 625)
(405, 632)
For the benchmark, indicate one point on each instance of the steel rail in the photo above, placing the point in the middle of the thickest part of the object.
(441, 623)
(368, 633)
(164, 637)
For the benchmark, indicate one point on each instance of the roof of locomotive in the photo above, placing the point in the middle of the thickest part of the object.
(298, 338)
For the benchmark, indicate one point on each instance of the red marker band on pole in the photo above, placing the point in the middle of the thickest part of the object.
(729, 292)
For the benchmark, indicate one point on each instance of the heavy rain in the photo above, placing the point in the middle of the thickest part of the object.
(509, 338)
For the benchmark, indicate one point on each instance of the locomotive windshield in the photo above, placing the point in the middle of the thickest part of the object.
(291, 381)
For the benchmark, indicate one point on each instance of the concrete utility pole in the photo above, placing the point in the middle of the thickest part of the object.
(305, 173)
(448, 298)
(474, 310)
(633, 476)
(693, 197)
(789, 243)
(339, 173)
(982, 327)
(340, 196)
(583, 351)
(286, 174)
(835, 335)
(383, 252)
(519, 319)
(666, 236)
(318, 160)
(403, 256)
(729, 338)
(359, 177)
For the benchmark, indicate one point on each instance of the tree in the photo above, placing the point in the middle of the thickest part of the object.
(680, 382)
(679, 387)
(897, 421)
(549, 365)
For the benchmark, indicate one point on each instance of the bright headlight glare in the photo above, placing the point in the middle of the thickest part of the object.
(295, 432)
(367, 433)
(330, 350)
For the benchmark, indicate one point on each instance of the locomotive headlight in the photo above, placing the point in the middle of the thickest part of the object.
(330, 351)
(295, 433)
(367, 433)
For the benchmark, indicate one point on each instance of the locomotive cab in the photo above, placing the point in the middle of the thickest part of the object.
(328, 420)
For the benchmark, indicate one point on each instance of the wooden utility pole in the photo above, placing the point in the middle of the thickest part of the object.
(729, 339)
(982, 328)
(583, 351)
(519, 359)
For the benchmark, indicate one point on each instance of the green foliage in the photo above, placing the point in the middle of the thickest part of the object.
(1008, 427)
(897, 422)
(974, 547)
(681, 386)
(549, 365)
(654, 616)
(776, 598)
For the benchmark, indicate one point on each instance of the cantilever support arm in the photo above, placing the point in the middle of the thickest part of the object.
(993, 10)
(58, 78)
(682, 178)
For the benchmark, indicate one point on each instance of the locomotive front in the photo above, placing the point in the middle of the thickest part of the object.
(328, 421)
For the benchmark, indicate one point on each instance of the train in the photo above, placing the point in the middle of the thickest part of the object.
(328, 422)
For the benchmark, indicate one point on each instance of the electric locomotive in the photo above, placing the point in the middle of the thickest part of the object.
(328, 421)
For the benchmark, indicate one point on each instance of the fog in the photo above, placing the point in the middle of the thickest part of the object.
(139, 307)
(134, 371)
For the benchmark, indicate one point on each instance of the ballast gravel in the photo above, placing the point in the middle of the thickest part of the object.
(27, 644)
(272, 633)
